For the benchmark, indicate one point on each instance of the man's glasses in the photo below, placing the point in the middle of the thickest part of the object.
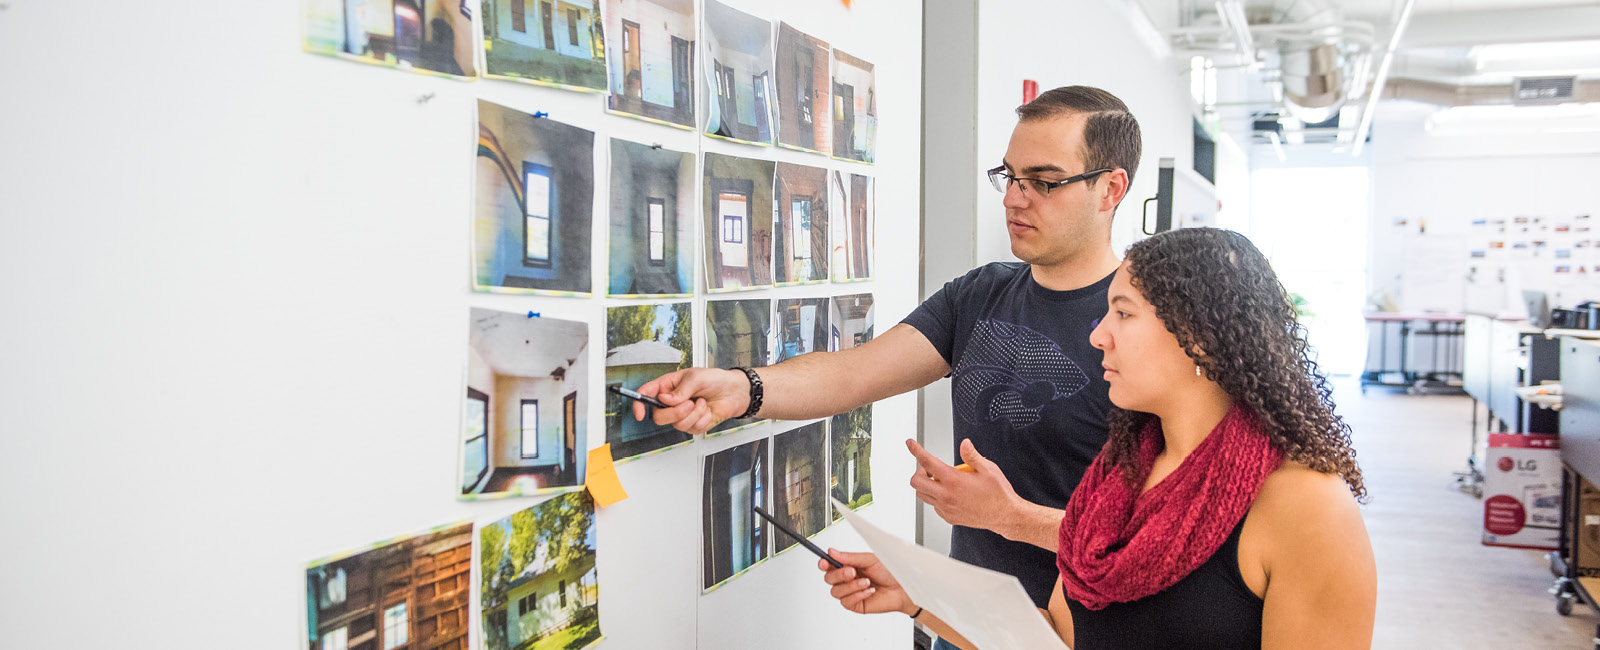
(1002, 180)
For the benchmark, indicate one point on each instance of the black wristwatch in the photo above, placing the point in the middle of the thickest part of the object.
(756, 392)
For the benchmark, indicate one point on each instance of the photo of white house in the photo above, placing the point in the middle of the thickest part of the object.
(539, 587)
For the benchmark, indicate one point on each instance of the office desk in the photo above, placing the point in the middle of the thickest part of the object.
(1442, 330)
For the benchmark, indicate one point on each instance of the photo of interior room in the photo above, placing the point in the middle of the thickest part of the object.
(553, 42)
(802, 326)
(800, 235)
(643, 342)
(734, 538)
(855, 108)
(652, 47)
(853, 233)
(799, 483)
(534, 204)
(803, 90)
(737, 99)
(410, 592)
(850, 472)
(652, 221)
(524, 431)
(737, 206)
(429, 35)
(538, 583)
(738, 334)
(851, 321)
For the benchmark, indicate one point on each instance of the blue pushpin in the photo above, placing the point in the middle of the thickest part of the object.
(541, 114)
(533, 314)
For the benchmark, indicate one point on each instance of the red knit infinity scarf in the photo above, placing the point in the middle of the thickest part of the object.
(1118, 545)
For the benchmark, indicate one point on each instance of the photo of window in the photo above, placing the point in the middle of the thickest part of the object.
(852, 233)
(738, 222)
(652, 221)
(652, 59)
(643, 342)
(734, 536)
(546, 42)
(524, 431)
(413, 590)
(800, 235)
(738, 67)
(803, 91)
(433, 36)
(850, 473)
(738, 335)
(802, 326)
(855, 109)
(799, 483)
(537, 578)
(535, 202)
(850, 321)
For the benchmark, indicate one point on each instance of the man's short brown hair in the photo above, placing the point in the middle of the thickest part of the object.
(1111, 138)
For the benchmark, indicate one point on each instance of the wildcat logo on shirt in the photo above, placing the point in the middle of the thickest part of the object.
(1008, 373)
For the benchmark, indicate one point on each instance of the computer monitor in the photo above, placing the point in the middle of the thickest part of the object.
(1538, 304)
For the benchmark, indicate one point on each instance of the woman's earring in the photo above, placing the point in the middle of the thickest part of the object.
(1197, 372)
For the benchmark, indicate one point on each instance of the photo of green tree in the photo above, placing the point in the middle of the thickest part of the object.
(850, 473)
(643, 342)
(537, 576)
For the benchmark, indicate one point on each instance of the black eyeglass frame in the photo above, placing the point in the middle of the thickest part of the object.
(1000, 172)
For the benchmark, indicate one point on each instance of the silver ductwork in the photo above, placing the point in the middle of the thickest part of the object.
(1312, 63)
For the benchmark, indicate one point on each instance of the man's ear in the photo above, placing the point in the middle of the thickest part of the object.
(1115, 189)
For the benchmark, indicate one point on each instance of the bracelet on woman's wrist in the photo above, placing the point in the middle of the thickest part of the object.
(919, 613)
(756, 392)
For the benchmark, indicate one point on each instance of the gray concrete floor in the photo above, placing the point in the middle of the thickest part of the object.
(1438, 586)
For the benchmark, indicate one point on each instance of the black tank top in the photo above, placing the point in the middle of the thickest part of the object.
(1210, 608)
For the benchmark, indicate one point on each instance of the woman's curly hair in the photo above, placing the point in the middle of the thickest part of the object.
(1220, 297)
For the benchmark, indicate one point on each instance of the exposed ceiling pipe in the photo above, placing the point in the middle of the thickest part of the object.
(1383, 77)
(1451, 95)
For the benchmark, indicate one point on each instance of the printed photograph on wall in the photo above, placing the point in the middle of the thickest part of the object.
(643, 342)
(536, 568)
(851, 321)
(652, 59)
(850, 473)
(799, 477)
(535, 200)
(737, 99)
(652, 221)
(852, 233)
(546, 42)
(430, 36)
(803, 90)
(738, 222)
(738, 335)
(802, 326)
(410, 592)
(800, 235)
(524, 431)
(855, 109)
(734, 537)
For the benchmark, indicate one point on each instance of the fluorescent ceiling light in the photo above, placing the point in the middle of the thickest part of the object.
(1583, 53)
(1506, 120)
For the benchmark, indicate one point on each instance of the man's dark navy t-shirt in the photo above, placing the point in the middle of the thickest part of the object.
(1027, 389)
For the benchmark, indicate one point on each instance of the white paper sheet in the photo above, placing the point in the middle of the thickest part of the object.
(989, 608)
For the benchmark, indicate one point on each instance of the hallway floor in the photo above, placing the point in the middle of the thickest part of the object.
(1438, 586)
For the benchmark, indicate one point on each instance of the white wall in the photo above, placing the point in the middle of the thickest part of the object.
(1452, 180)
(229, 236)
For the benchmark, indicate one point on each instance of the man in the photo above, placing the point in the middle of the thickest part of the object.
(1028, 390)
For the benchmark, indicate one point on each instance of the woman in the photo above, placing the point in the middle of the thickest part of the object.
(1222, 512)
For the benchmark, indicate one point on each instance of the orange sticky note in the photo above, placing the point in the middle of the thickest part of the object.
(602, 479)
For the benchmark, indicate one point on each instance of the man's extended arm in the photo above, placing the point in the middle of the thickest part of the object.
(812, 385)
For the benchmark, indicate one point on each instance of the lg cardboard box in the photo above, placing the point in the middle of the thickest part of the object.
(1522, 492)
